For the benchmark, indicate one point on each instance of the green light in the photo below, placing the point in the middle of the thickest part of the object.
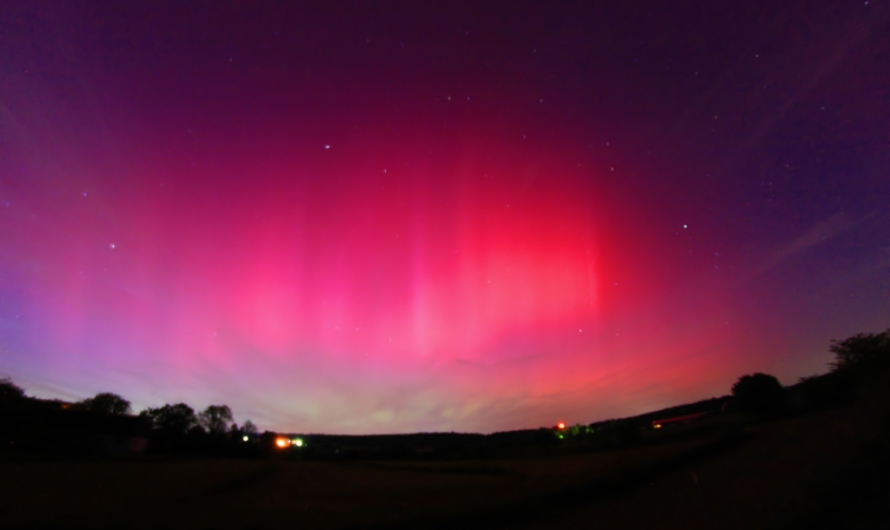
(298, 442)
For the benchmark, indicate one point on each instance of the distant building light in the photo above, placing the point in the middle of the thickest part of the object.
(298, 442)
(246, 438)
(657, 426)
(282, 442)
(561, 426)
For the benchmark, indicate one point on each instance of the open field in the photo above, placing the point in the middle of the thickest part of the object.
(781, 474)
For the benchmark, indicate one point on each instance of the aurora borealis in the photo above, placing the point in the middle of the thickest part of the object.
(395, 217)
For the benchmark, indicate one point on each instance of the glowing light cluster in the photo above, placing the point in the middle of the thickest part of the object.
(283, 443)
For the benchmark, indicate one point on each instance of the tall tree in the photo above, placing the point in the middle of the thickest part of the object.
(171, 419)
(216, 419)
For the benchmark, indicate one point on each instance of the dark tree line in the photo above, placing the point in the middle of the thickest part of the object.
(105, 403)
(860, 373)
(175, 427)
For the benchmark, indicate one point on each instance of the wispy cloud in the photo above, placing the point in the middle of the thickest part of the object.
(819, 233)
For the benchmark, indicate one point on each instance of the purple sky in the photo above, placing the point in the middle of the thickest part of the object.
(419, 216)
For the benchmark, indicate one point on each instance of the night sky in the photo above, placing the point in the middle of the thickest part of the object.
(369, 217)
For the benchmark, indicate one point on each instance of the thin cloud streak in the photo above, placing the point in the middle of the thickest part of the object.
(823, 231)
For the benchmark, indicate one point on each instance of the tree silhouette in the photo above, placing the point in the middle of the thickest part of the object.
(761, 393)
(250, 428)
(171, 419)
(10, 393)
(861, 352)
(106, 403)
(862, 364)
(216, 419)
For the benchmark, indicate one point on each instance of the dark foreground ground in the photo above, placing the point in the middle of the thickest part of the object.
(827, 470)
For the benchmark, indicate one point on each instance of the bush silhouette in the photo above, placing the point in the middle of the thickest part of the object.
(759, 393)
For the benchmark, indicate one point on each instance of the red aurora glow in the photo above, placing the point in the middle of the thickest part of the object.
(427, 218)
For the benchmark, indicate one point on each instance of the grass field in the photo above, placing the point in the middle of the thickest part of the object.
(825, 470)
